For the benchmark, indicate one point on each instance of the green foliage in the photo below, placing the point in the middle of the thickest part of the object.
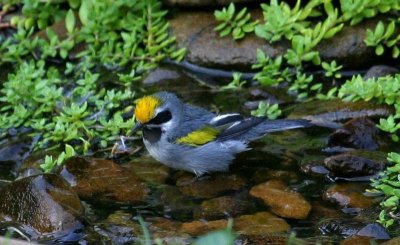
(231, 23)
(388, 183)
(49, 163)
(235, 84)
(331, 69)
(266, 110)
(71, 104)
(302, 84)
(271, 71)
(381, 38)
(384, 90)
(357, 10)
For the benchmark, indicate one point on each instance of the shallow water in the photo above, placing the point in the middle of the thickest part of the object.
(175, 199)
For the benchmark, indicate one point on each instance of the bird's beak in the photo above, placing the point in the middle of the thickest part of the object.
(138, 126)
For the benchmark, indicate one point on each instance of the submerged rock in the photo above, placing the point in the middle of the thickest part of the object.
(350, 195)
(255, 224)
(41, 206)
(148, 170)
(359, 133)
(117, 228)
(350, 227)
(174, 203)
(283, 202)
(222, 207)
(196, 228)
(356, 163)
(210, 186)
(259, 224)
(103, 180)
(359, 240)
(13, 151)
(168, 231)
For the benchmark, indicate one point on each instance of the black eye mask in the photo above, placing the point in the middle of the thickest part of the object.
(161, 118)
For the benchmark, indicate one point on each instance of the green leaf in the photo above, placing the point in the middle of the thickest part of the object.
(84, 12)
(379, 50)
(70, 21)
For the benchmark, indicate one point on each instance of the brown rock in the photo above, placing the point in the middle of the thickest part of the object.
(394, 241)
(167, 231)
(148, 170)
(220, 207)
(284, 203)
(348, 47)
(259, 224)
(45, 204)
(103, 180)
(359, 133)
(196, 228)
(350, 195)
(209, 187)
(359, 240)
(356, 163)
(194, 30)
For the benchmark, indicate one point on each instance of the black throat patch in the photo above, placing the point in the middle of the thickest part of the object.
(152, 134)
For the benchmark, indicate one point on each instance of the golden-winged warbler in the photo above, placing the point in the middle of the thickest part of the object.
(187, 137)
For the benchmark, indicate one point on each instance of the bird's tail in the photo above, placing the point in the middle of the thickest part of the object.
(269, 126)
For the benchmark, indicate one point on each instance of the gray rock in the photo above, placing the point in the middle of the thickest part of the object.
(380, 71)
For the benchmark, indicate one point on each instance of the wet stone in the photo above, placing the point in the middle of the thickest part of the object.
(209, 186)
(359, 240)
(160, 75)
(337, 111)
(13, 151)
(42, 206)
(356, 163)
(359, 133)
(255, 224)
(196, 228)
(380, 71)
(394, 241)
(350, 195)
(174, 203)
(283, 202)
(148, 170)
(117, 228)
(350, 227)
(259, 224)
(222, 207)
(103, 180)
(313, 165)
(167, 231)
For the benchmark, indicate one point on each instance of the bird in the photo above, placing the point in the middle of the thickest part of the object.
(191, 138)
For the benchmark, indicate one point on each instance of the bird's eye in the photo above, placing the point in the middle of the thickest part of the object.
(161, 118)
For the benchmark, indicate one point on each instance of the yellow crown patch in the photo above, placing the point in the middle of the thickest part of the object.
(145, 108)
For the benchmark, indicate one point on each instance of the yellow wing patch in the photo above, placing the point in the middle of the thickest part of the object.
(146, 107)
(199, 137)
